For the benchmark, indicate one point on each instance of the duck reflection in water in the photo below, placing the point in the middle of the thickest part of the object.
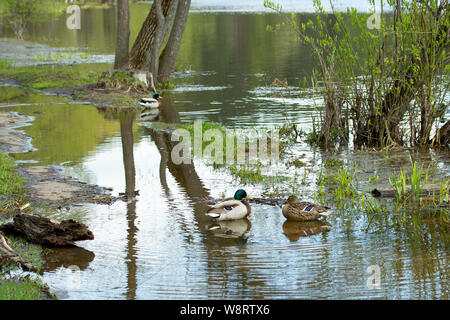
(148, 114)
(293, 230)
(230, 228)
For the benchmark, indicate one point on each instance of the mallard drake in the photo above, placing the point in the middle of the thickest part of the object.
(150, 102)
(303, 211)
(231, 208)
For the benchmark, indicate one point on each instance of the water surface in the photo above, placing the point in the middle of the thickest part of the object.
(160, 245)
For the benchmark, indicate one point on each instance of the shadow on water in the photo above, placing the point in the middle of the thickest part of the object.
(126, 132)
(67, 257)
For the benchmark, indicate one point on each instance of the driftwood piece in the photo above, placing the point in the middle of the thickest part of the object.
(391, 192)
(48, 232)
(271, 202)
(8, 255)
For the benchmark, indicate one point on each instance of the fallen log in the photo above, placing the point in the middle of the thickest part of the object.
(391, 192)
(8, 255)
(48, 232)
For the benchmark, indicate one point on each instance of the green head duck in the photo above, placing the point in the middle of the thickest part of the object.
(240, 194)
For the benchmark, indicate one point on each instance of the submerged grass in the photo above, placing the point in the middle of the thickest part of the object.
(56, 76)
(11, 184)
(247, 174)
(408, 188)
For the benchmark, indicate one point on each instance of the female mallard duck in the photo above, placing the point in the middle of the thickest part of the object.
(150, 102)
(303, 211)
(231, 208)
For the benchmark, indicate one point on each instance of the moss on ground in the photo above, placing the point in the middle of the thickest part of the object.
(11, 183)
(24, 288)
(120, 90)
(107, 98)
(12, 194)
(55, 76)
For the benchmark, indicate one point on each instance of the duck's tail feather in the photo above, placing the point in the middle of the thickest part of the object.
(326, 213)
(213, 214)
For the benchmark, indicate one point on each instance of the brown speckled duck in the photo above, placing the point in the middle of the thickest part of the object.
(303, 211)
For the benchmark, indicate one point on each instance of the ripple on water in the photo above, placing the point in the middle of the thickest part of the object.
(197, 88)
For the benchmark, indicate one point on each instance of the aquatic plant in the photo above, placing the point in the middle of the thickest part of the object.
(325, 178)
(297, 163)
(444, 192)
(378, 93)
(167, 85)
(6, 64)
(85, 55)
(332, 163)
(305, 175)
(319, 195)
(312, 137)
(417, 180)
(345, 181)
(247, 173)
(399, 184)
(369, 204)
(374, 178)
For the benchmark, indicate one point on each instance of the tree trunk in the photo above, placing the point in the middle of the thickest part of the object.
(145, 52)
(333, 125)
(164, 22)
(442, 136)
(168, 57)
(123, 34)
(382, 127)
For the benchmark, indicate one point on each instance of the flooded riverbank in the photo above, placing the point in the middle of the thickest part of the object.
(160, 245)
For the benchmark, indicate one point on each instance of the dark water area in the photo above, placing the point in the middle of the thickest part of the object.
(161, 245)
